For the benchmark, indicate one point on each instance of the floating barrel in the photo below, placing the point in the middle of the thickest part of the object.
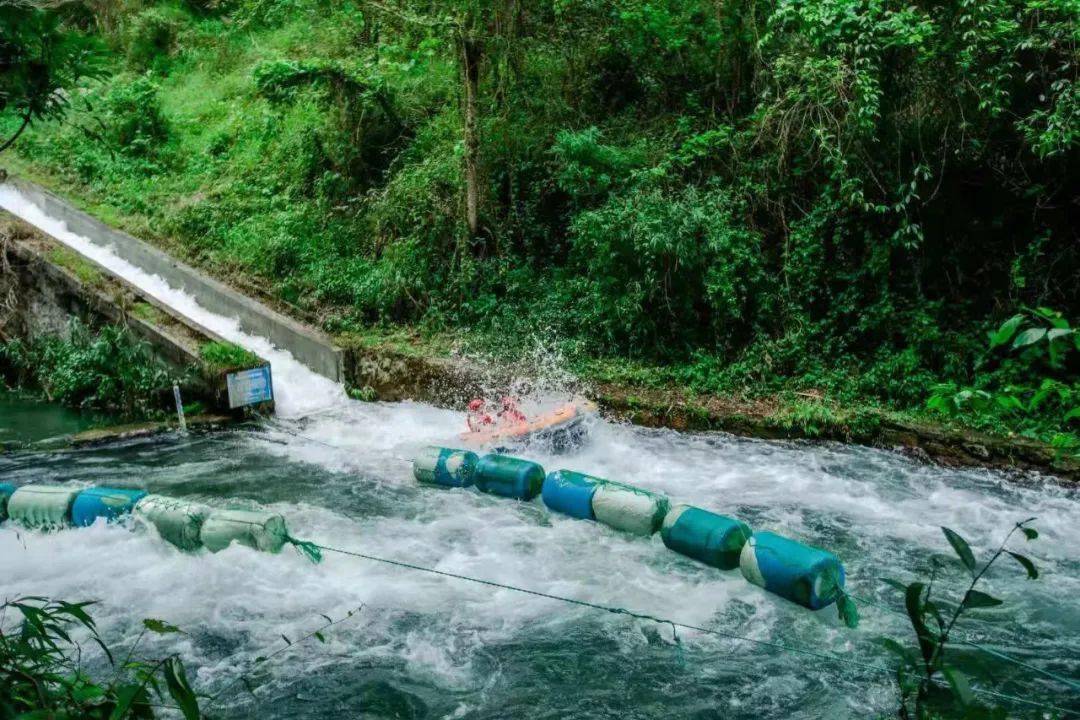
(570, 493)
(109, 503)
(177, 521)
(256, 529)
(6, 490)
(628, 508)
(42, 506)
(803, 574)
(446, 467)
(509, 477)
(705, 536)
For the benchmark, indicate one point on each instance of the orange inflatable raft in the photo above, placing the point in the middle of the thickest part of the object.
(563, 427)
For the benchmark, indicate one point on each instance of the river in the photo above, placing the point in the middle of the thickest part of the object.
(432, 646)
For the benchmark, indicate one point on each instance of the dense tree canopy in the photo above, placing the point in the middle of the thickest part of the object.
(846, 193)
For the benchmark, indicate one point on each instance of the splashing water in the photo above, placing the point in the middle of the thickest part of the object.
(426, 646)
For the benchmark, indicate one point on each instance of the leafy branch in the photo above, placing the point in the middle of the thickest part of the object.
(922, 694)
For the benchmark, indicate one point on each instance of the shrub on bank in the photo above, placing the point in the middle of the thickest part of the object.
(106, 369)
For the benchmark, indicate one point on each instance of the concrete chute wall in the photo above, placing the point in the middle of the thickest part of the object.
(311, 347)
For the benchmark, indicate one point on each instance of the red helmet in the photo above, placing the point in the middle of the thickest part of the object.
(476, 404)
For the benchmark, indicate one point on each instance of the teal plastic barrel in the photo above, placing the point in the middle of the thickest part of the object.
(42, 506)
(630, 509)
(103, 502)
(713, 539)
(6, 491)
(800, 573)
(509, 477)
(570, 493)
(445, 466)
(178, 522)
(257, 529)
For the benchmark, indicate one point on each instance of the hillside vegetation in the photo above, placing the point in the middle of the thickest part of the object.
(749, 196)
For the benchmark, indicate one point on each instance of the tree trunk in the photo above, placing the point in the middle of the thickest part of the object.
(470, 70)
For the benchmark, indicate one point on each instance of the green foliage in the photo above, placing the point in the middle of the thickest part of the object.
(152, 38)
(42, 666)
(227, 355)
(107, 369)
(1034, 385)
(931, 683)
(40, 63)
(647, 259)
(761, 197)
(133, 118)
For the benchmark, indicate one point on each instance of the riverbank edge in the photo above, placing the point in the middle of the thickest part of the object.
(395, 369)
(381, 366)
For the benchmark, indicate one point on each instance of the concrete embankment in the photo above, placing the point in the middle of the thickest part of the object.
(44, 285)
(311, 347)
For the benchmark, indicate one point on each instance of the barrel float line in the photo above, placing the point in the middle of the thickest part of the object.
(103, 502)
(6, 491)
(570, 493)
(713, 539)
(509, 477)
(257, 529)
(628, 508)
(178, 522)
(445, 466)
(806, 575)
(45, 507)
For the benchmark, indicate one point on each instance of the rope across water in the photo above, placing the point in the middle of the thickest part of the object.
(991, 651)
(616, 610)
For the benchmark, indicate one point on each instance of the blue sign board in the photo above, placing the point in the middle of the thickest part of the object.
(250, 387)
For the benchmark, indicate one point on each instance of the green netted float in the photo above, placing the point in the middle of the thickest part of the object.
(44, 507)
(257, 529)
(628, 508)
(445, 466)
(178, 522)
(713, 539)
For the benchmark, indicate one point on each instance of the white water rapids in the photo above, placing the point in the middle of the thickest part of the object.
(428, 646)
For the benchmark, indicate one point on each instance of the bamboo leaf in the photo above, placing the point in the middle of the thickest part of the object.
(963, 550)
(180, 690)
(897, 649)
(959, 684)
(1032, 571)
(913, 602)
(894, 583)
(1030, 533)
(977, 599)
(159, 626)
(125, 696)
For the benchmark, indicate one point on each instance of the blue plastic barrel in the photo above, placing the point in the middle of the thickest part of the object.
(570, 493)
(445, 466)
(800, 573)
(6, 491)
(713, 539)
(109, 503)
(509, 477)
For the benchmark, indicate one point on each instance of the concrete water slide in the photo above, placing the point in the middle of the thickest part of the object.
(309, 346)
